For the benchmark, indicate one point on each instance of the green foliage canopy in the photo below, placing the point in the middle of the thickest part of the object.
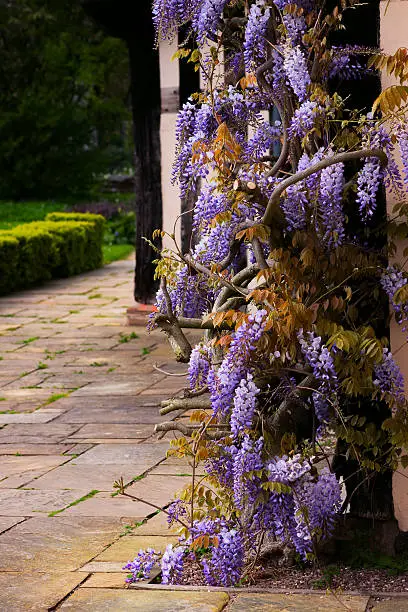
(63, 99)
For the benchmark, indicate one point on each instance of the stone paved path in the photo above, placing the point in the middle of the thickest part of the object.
(79, 398)
(78, 404)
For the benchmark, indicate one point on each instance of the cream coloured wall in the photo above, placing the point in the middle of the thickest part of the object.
(394, 34)
(169, 82)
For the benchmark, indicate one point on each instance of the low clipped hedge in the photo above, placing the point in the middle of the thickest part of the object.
(98, 220)
(57, 247)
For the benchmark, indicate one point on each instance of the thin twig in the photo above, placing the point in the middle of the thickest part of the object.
(139, 499)
(156, 367)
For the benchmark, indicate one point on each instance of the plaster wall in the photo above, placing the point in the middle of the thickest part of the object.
(394, 34)
(169, 83)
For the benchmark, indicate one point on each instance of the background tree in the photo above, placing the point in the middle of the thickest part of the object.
(63, 100)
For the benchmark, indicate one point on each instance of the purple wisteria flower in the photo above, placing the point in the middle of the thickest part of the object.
(388, 378)
(206, 20)
(255, 34)
(403, 147)
(304, 118)
(247, 458)
(288, 470)
(142, 565)
(316, 507)
(188, 295)
(295, 65)
(368, 183)
(263, 139)
(301, 196)
(373, 173)
(172, 563)
(209, 204)
(318, 357)
(235, 366)
(295, 27)
(225, 565)
(391, 280)
(214, 243)
(309, 510)
(199, 366)
(168, 15)
(244, 405)
(331, 220)
(175, 511)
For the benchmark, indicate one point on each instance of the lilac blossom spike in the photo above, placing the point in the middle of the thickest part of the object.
(388, 378)
(297, 73)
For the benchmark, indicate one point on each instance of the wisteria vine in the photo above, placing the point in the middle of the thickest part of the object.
(290, 306)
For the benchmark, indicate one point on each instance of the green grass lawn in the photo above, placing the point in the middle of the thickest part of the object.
(14, 213)
(113, 252)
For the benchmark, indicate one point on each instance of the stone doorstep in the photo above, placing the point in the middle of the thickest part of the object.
(138, 314)
(108, 440)
(123, 600)
(260, 590)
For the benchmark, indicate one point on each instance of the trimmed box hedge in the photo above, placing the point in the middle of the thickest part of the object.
(35, 252)
(98, 220)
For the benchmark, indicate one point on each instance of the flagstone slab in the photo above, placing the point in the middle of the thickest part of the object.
(111, 580)
(126, 414)
(21, 299)
(34, 378)
(272, 602)
(91, 331)
(7, 522)
(90, 476)
(35, 592)
(29, 502)
(103, 504)
(64, 383)
(178, 470)
(6, 380)
(155, 526)
(35, 449)
(21, 394)
(60, 543)
(123, 600)
(78, 449)
(16, 407)
(93, 441)
(39, 416)
(58, 344)
(17, 365)
(395, 604)
(141, 456)
(8, 308)
(113, 430)
(103, 567)
(36, 433)
(82, 359)
(112, 401)
(7, 347)
(129, 387)
(34, 330)
(126, 548)
(16, 471)
(158, 490)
